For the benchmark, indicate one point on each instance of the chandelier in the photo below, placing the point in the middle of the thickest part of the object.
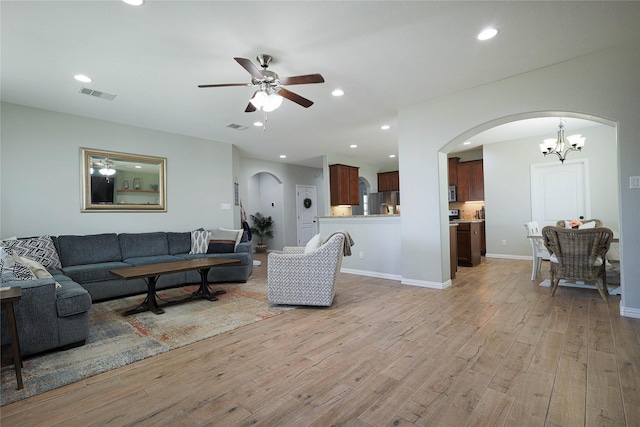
(561, 146)
(107, 169)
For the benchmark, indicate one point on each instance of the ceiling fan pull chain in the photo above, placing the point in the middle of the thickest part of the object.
(266, 119)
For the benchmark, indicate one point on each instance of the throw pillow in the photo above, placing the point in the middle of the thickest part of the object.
(238, 237)
(223, 241)
(36, 268)
(21, 271)
(40, 249)
(199, 241)
(313, 244)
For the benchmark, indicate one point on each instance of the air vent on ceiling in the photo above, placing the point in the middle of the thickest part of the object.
(97, 94)
(236, 126)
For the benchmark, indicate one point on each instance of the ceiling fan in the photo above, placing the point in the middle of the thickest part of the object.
(270, 91)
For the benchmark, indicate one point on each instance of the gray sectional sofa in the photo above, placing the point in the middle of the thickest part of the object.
(51, 316)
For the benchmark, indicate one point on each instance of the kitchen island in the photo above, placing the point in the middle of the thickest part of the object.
(377, 238)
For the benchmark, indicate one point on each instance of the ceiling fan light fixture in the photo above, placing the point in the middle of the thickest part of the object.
(273, 101)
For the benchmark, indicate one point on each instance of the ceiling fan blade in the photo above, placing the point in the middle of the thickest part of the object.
(226, 84)
(294, 97)
(251, 108)
(252, 69)
(301, 80)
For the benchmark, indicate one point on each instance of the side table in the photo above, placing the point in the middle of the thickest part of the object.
(7, 298)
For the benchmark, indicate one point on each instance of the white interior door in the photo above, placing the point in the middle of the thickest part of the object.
(560, 191)
(307, 222)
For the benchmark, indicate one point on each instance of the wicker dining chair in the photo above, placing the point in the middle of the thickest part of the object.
(561, 222)
(578, 255)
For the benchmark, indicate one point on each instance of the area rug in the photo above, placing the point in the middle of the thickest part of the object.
(115, 340)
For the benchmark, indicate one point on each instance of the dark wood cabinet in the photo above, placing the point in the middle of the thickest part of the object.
(469, 244)
(453, 249)
(483, 239)
(470, 181)
(453, 170)
(389, 181)
(343, 182)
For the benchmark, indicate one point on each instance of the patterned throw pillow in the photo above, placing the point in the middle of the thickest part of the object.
(22, 271)
(223, 241)
(40, 249)
(199, 242)
(239, 234)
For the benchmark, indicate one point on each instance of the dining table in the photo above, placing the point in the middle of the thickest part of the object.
(612, 255)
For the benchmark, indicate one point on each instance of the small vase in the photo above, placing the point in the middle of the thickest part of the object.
(125, 185)
(136, 184)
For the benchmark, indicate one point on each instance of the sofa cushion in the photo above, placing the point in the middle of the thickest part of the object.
(222, 241)
(89, 249)
(40, 249)
(93, 272)
(71, 299)
(179, 243)
(134, 245)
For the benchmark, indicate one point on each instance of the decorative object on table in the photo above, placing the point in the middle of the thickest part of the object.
(562, 146)
(125, 185)
(307, 203)
(580, 224)
(137, 185)
(154, 187)
(261, 228)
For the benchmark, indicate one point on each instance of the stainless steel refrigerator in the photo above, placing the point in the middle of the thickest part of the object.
(385, 203)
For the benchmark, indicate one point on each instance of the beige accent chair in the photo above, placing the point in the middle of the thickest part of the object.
(298, 278)
(538, 251)
(578, 255)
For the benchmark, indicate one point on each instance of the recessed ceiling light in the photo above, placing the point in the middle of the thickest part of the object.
(134, 2)
(353, 146)
(258, 123)
(466, 143)
(385, 127)
(337, 92)
(392, 155)
(487, 33)
(282, 156)
(82, 78)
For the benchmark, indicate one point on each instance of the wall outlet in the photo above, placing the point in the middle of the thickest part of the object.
(634, 182)
(225, 206)
(361, 255)
(504, 243)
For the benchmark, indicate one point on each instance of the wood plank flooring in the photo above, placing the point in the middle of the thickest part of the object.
(493, 350)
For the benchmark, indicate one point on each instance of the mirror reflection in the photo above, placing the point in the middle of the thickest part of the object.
(122, 181)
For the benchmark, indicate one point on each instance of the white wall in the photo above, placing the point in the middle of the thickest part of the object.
(605, 85)
(285, 230)
(40, 170)
(507, 185)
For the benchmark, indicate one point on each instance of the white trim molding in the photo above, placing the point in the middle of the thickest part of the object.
(425, 284)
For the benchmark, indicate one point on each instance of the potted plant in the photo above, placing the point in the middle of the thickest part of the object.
(262, 229)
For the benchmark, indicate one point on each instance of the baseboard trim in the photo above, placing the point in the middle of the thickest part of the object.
(368, 273)
(629, 312)
(396, 277)
(426, 284)
(503, 256)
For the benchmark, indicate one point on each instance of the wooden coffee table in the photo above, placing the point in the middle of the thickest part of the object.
(151, 273)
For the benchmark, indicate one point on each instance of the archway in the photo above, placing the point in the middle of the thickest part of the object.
(508, 175)
(265, 195)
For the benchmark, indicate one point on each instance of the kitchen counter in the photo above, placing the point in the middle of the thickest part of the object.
(360, 216)
(466, 221)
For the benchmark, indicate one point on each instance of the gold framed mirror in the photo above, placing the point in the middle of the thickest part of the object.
(113, 181)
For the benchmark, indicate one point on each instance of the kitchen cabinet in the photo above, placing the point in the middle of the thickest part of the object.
(343, 183)
(469, 244)
(388, 181)
(470, 181)
(483, 239)
(453, 170)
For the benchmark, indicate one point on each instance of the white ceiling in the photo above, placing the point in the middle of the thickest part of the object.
(385, 55)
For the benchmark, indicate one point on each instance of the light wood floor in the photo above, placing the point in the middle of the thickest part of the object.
(495, 349)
